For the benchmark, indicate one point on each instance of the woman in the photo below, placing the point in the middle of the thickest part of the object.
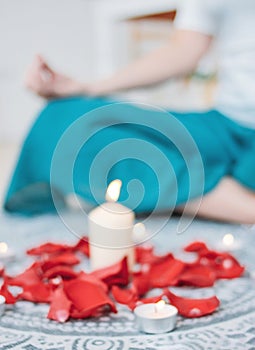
(224, 137)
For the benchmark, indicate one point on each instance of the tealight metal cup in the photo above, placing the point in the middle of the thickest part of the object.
(150, 322)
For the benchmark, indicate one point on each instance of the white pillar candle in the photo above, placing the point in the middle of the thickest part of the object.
(110, 231)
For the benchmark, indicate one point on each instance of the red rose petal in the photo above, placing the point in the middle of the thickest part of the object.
(124, 296)
(48, 248)
(210, 254)
(66, 258)
(223, 264)
(37, 293)
(165, 272)
(141, 282)
(60, 306)
(193, 307)
(145, 254)
(197, 276)
(77, 314)
(4, 291)
(87, 297)
(66, 272)
(83, 246)
(226, 266)
(114, 274)
(92, 279)
(196, 247)
(99, 311)
(30, 276)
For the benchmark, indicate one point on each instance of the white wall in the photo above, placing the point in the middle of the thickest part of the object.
(60, 30)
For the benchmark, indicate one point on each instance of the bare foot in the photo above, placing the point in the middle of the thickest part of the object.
(46, 82)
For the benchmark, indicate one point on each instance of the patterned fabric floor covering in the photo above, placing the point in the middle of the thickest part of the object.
(232, 327)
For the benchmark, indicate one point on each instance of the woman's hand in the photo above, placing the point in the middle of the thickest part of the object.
(47, 83)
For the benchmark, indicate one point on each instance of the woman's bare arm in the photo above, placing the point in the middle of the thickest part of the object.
(178, 56)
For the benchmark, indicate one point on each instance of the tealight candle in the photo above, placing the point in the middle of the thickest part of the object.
(2, 304)
(6, 253)
(156, 317)
(110, 231)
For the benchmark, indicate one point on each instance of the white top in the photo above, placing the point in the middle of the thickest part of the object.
(232, 22)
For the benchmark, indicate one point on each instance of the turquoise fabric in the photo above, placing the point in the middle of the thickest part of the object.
(163, 158)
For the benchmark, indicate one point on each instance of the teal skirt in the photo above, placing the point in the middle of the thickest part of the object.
(164, 159)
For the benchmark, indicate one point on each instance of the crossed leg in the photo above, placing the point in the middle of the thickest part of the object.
(229, 201)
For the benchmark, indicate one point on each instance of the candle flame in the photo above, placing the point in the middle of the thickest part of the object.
(3, 247)
(228, 239)
(159, 306)
(113, 191)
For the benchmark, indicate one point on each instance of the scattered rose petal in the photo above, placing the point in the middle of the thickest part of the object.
(60, 306)
(228, 267)
(37, 293)
(92, 279)
(223, 264)
(83, 246)
(145, 254)
(48, 248)
(66, 258)
(99, 311)
(66, 272)
(197, 276)
(124, 296)
(165, 272)
(196, 247)
(31, 276)
(77, 314)
(115, 274)
(4, 291)
(193, 307)
(86, 297)
(141, 282)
